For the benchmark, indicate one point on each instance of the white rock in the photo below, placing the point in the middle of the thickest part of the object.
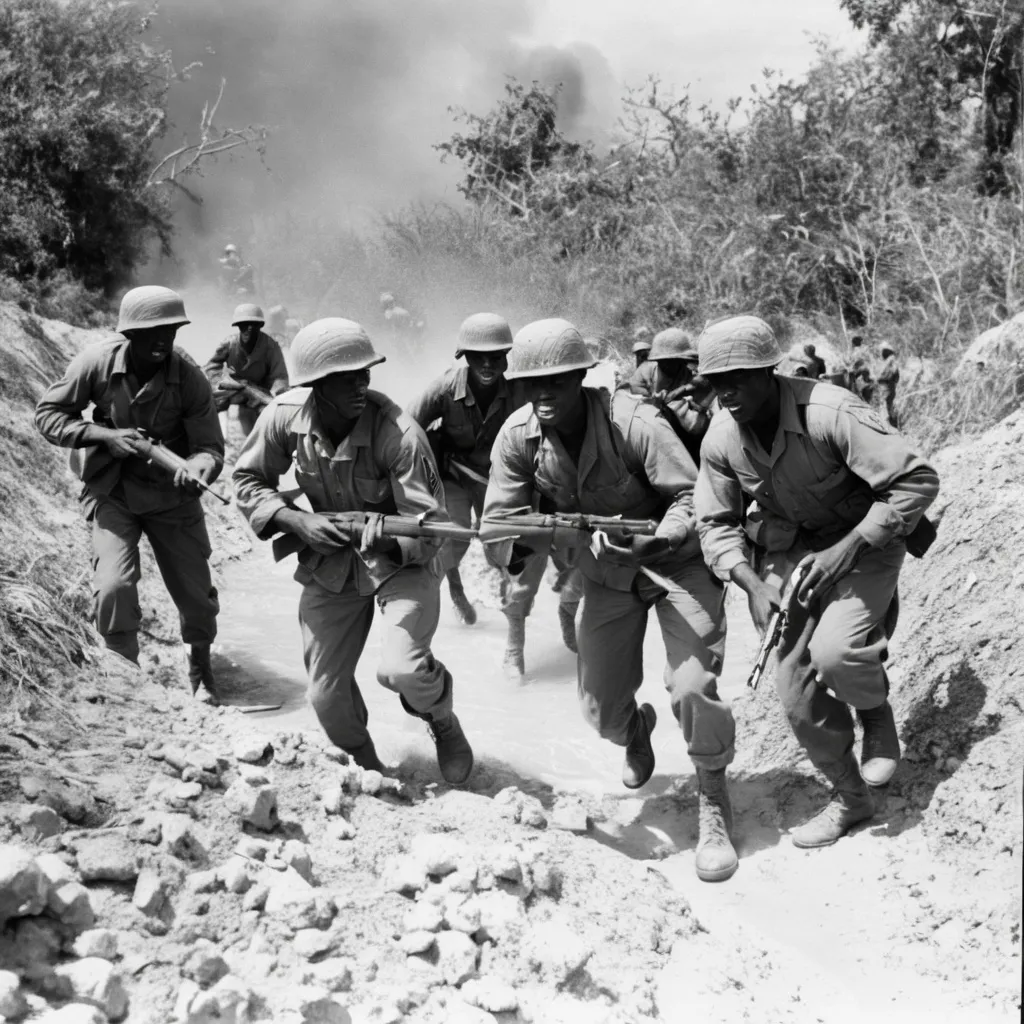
(490, 994)
(149, 892)
(456, 956)
(226, 1003)
(205, 965)
(13, 1003)
(464, 917)
(256, 805)
(56, 869)
(531, 813)
(296, 855)
(557, 949)
(101, 942)
(546, 878)
(255, 898)
(416, 942)
(457, 1012)
(179, 838)
(73, 1013)
(37, 821)
(569, 815)
(502, 916)
(253, 848)
(250, 749)
(317, 1006)
(234, 874)
(312, 942)
(254, 775)
(94, 980)
(440, 854)
(107, 859)
(333, 799)
(334, 974)
(296, 903)
(423, 917)
(404, 874)
(340, 829)
(504, 863)
(203, 881)
(70, 903)
(182, 791)
(371, 781)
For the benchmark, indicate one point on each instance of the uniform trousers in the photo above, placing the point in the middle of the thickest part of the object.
(334, 632)
(831, 654)
(610, 660)
(181, 546)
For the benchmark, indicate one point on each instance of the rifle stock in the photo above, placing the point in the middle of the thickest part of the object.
(160, 455)
(560, 529)
(776, 627)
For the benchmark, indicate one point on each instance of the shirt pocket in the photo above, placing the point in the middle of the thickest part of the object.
(374, 492)
(615, 496)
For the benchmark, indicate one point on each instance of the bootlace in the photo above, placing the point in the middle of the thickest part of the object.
(712, 821)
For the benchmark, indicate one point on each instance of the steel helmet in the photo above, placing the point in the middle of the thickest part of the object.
(642, 333)
(231, 247)
(643, 345)
(548, 347)
(386, 299)
(331, 345)
(151, 306)
(673, 343)
(248, 313)
(737, 343)
(484, 332)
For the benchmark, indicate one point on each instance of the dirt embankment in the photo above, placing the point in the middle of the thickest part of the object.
(161, 860)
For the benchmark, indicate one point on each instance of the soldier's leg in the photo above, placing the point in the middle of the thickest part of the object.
(458, 501)
(410, 603)
(517, 603)
(570, 593)
(610, 671)
(115, 563)
(334, 632)
(693, 627)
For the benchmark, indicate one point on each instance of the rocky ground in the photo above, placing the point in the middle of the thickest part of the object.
(161, 860)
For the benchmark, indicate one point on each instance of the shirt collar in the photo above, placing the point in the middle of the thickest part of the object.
(171, 368)
(308, 422)
(462, 392)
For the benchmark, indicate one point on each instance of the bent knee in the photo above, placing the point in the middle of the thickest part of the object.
(398, 672)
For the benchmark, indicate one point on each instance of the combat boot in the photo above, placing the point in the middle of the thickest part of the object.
(880, 749)
(567, 620)
(463, 608)
(851, 803)
(639, 764)
(125, 643)
(200, 672)
(454, 754)
(366, 756)
(514, 661)
(716, 858)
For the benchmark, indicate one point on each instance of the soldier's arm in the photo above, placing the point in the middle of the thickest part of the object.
(277, 373)
(718, 506)
(903, 483)
(429, 404)
(200, 419)
(510, 487)
(214, 367)
(59, 412)
(639, 383)
(265, 457)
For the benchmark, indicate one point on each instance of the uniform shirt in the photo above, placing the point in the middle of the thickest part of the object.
(264, 366)
(834, 467)
(464, 431)
(175, 406)
(384, 465)
(888, 375)
(631, 464)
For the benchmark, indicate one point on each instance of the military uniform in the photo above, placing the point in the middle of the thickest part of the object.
(264, 366)
(834, 467)
(126, 498)
(888, 378)
(384, 465)
(630, 464)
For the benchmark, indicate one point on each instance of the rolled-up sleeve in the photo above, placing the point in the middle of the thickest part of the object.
(903, 483)
(265, 457)
(510, 488)
(59, 412)
(670, 471)
(718, 504)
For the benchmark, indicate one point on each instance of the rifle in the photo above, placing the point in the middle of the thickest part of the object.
(257, 394)
(157, 453)
(559, 528)
(394, 526)
(776, 627)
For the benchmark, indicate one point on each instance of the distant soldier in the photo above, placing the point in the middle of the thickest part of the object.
(861, 382)
(837, 493)
(354, 450)
(796, 363)
(888, 377)
(142, 388)
(579, 450)
(237, 278)
(669, 380)
(817, 367)
(248, 355)
(641, 345)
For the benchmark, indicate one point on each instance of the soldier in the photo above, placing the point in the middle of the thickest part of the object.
(465, 408)
(837, 492)
(817, 367)
(142, 388)
(888, 378)
(668, 380)
(796, 363)
(237, 278)
(247, 355)
(355, 450)
(575, 449)
(641, 346)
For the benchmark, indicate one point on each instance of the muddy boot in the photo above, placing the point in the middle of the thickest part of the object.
(567, 620)
(366, 756)
(200, 672)
(514, 662)
(454, 754)
(851, 803)
(463, 608)
(639, 764)
(716, 858)
(880, 750)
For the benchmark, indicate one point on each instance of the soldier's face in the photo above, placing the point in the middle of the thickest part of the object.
(486, 368)
(744, 393)
(344, 392)
(151, 346)
(680, 370)
(249, 333)
(555, 399)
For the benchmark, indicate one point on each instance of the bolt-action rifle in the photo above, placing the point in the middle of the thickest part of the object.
(160, 455)
(561, 529)
(393, 526)
(776, 627)
(244, 387)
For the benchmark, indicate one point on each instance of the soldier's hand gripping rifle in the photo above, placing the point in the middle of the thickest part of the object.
(559, 529)
(392, 526)
(254, 394)
(776, 627)
(160, 455)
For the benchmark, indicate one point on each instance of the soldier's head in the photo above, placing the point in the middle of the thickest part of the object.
(249, 320)
(333, 356)
(386, 300)
(551, 359)
(149, 318)
(641, 351)
(738, 356)
(675, 353)
(485, 340)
